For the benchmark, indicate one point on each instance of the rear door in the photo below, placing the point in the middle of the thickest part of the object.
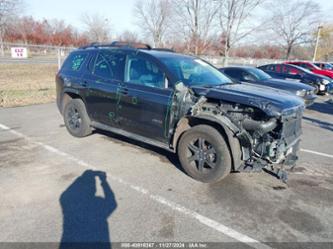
(105, 75)
(69, 78)
(145, 99)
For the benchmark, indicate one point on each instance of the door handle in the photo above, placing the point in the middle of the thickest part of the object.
(123, 91)
(84, 83)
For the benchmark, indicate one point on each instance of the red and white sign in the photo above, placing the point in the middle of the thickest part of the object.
(19, 53)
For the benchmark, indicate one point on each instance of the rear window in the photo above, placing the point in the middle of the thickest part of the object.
(74, 62)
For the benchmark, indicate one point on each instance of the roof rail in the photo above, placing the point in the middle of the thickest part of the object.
(136, 45)
(91, 45)
(164, 49)
(120, 44)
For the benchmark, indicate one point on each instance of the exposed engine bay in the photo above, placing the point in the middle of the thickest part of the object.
(269, 142)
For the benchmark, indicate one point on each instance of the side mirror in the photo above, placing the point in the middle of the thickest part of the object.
(166, 82)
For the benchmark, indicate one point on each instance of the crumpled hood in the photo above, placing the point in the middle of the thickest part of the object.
(272, 101)
(287, 85)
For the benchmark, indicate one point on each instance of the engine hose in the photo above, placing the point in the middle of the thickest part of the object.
(258, 126)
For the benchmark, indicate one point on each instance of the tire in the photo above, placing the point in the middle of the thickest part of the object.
(204, 154)
(76, 118)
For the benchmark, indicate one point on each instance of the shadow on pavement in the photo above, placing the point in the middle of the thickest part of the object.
(85, 215)
(163, 154)
(323, 107)
(319, 123)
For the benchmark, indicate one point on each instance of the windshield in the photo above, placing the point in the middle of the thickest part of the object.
(259, 74)
(194, 72)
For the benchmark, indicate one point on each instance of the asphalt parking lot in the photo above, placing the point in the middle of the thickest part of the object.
(48, 181)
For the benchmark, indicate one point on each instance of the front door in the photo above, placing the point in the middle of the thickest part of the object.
(145, 99)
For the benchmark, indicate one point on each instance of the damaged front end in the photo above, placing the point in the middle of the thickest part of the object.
(268, 138)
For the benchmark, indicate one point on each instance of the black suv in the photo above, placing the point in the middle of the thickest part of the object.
(180, 103)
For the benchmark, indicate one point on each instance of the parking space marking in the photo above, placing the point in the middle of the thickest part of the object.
(317, 153)
(172, 205)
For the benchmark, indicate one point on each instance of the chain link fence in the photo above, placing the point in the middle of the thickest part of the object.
(36, 54)
(44, 54)
(237, 61)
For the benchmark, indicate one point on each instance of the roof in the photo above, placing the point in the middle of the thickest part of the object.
(164, 54)
(238, 67)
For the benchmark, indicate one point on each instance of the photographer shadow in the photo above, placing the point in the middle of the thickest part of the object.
(85, 215)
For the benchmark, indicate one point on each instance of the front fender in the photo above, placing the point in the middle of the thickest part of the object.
(223, 124)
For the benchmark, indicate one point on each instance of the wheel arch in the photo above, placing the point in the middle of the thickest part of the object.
(68, 95)
(232, 141)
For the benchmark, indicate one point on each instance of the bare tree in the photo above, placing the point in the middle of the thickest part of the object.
(97, 27)
(194, 21)
(153, 18)
(234, 21)
(293, 22)
(128, 36)
(8, 9)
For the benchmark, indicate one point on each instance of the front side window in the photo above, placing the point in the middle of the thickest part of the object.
(144, 72)
(248, 77)
(257, 74)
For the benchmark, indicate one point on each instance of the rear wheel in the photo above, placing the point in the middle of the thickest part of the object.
(76, 118)
(204, 154)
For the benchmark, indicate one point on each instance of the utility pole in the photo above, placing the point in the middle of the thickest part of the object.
(317, 43)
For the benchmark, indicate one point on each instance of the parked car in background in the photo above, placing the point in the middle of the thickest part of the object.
(324, 65)
(312, 67)
(256, 76)
(330, 93)
(296, 73)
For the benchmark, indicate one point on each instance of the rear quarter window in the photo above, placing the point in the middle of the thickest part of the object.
(74, 62)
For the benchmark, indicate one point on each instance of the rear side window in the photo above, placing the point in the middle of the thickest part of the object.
(233, 73)
(110, 65)
(74, 62)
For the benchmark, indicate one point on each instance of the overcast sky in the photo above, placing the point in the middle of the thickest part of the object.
(119, 12)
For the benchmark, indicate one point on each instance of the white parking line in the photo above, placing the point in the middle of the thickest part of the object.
(317, 153)
(172, 205)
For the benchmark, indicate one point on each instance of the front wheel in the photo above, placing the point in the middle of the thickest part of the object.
(76, 118)
(204, 154)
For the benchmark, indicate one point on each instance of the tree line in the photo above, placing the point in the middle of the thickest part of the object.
(246, 28)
